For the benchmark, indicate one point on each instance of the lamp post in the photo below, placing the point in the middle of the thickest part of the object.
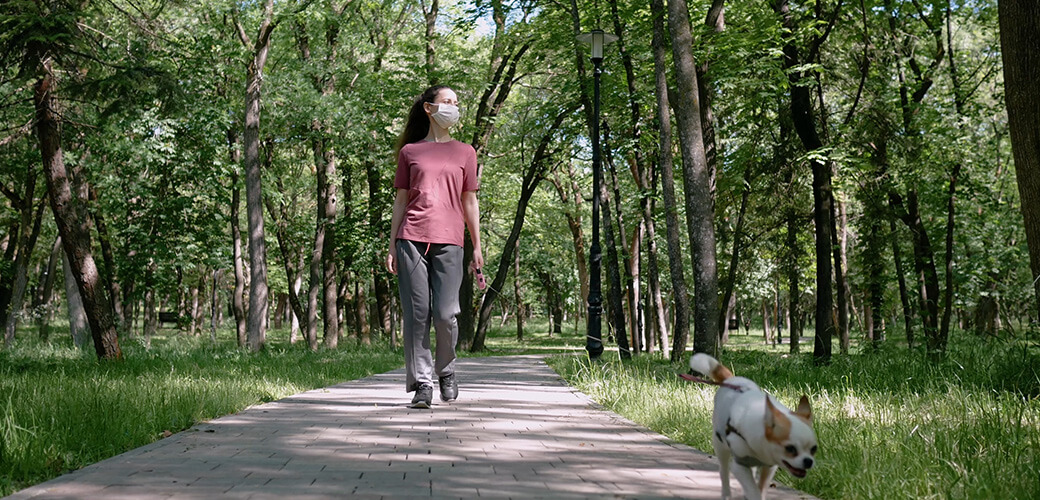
(597, 39)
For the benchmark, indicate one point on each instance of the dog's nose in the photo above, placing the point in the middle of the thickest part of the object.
(807, 463)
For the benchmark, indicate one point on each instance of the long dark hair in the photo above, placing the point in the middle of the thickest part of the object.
(418, 125)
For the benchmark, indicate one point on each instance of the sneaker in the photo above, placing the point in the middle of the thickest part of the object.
(449, 388)
(423, 396)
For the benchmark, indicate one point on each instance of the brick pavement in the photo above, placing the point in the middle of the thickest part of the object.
(517, 431)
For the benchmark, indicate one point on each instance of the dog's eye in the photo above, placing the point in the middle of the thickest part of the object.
(813, 450)
(791, 450)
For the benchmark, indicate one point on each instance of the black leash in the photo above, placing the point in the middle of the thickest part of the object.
(699, 380)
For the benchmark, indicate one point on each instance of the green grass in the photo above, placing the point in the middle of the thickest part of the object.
(501, 339)
(890, 425)
(61, 409)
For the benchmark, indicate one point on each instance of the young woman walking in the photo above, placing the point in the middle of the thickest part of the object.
(436, 184)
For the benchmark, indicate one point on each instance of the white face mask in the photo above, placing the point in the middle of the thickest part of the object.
(447, 115)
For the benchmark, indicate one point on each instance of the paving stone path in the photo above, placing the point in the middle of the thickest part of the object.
(517, 431)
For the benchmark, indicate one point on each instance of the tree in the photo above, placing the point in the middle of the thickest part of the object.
(256, 323)
(697, 182)
(1020, 50)
(533, 175)
(681, 327)
(45, 44)
(804, 118)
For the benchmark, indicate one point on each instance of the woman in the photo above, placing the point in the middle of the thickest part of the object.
(436, 184)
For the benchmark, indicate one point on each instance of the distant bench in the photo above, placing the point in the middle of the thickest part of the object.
(169, 317)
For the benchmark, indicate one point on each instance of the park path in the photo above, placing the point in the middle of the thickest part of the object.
(517, 431)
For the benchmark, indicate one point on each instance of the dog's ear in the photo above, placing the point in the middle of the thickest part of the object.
(777, 425)
(804, 410)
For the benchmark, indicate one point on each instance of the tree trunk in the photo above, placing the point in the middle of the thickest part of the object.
(840, 284)
(516, 292)
(696, 181)
(295, 287)
(488, 106)
(767, 328)
(325, 167)
(362, 311)
(379, 205)
(214, 305)
(26, 243)
(151, 320)
(572, 199)
(1020, 51)
(47, 294)
(256, 320)
(984, 318)
(944, 326)
(658, 311)
(904, 292)
(804, 118)
(624, 320)
(715, 21)
(325, 158)
(794, 291)
(431, 32)
(734, 261)
(639, 174)
(238, 306)
(110, 273)
(70, 215)
(78, 326)
(924, 265)
(533, 174)
(680, 295)
(198, 292)
(873, 244)
(7, 279)
(615, 306)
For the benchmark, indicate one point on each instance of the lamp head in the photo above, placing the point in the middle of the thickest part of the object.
(597, 39)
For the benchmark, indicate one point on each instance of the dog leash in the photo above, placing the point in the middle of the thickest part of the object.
(699, 380)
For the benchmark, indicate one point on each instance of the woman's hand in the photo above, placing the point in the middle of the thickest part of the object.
(391, 262)
(478, 260)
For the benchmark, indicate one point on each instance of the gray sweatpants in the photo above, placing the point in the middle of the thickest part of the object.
(429, 278)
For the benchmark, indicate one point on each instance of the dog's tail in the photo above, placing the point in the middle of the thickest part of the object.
(709, 366)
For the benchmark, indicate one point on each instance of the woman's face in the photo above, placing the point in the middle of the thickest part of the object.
(444, 96)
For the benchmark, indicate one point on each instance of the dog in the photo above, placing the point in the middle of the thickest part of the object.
(752, 431)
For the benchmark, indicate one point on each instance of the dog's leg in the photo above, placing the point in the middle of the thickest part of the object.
(765, 476)
(747, 481)
(725, 457)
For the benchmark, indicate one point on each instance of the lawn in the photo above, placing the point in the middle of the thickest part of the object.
(61, 409)
(890, 424)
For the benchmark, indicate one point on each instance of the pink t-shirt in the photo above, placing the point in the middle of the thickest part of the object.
(435, 175)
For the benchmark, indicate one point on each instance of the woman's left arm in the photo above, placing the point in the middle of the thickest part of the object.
(471, 212)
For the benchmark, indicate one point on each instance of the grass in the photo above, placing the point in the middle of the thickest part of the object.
(61, 409)
(890, 425)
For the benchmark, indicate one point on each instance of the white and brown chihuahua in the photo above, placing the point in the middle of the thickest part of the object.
(753, 431)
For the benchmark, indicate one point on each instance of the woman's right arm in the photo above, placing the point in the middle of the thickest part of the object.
(400, 202)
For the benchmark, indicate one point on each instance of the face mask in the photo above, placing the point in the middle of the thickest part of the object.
(447, 115)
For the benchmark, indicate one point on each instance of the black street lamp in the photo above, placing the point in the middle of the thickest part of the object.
(597, 39)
